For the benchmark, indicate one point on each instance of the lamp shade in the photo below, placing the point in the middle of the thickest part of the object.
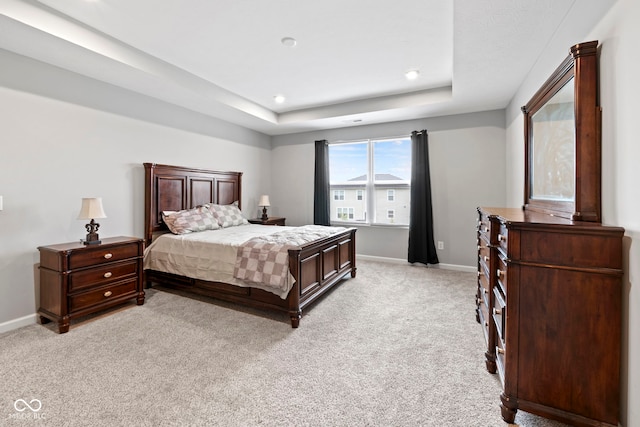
(91, 208)
(264, 200)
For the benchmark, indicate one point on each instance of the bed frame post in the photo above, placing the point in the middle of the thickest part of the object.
(149, 201)
(295, 312)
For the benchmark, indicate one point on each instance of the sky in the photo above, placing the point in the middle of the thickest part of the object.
(349, 160)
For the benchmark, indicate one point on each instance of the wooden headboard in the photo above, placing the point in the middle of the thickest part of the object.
(173, 188)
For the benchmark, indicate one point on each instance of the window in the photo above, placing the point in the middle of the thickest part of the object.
(344, 214)
(370, 181)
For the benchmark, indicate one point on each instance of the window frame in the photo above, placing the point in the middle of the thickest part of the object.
(369, 191)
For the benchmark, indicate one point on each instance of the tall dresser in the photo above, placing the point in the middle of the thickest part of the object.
(549, 301)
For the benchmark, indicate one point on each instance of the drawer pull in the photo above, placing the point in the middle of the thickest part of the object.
(479, 274)
(486, 324)
(108, 256)
(485, 230)
(108, 293)
(497, 311)
(485, 291)
(501, 238)
(107, 274)
(500, 350)
(486, 258)
(499, 273)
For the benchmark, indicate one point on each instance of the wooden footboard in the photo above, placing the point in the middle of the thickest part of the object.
(316, 268)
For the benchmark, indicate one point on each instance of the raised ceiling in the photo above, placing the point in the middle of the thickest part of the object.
(225, 58)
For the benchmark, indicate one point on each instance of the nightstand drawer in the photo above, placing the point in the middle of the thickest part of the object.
(102, 275)
(102, 295)
(99, 255)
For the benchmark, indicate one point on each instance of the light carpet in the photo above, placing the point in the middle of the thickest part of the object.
(397, 346)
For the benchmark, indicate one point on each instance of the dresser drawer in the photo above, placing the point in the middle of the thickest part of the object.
(102, 295)
(501, 275)
(502, 237)
(98, 276)
(483, 287)
(500, 359)
(102, 254)
(499, 313)
(483, 261)
(483, 318)
(484, 228)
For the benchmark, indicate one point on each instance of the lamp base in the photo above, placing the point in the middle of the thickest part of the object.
(264, 214)
(92, 233)
(92, 239)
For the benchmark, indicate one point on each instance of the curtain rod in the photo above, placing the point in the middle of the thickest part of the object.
(348, 141)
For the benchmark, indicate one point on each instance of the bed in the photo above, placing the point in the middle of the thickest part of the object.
(314, 267)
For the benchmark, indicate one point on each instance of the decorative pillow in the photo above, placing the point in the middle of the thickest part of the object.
(190, 220)
(228, 215)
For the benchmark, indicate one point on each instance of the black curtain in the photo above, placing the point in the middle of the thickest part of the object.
(321, 207)
(421, 244)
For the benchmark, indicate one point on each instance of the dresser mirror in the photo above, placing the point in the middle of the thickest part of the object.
(562, 140)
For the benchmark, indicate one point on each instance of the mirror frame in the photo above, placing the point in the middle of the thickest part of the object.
(581, 65)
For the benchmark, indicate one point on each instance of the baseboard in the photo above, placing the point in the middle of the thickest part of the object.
(18, 323)
(442, 266)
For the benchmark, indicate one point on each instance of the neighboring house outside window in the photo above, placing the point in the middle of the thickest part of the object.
(375, 189)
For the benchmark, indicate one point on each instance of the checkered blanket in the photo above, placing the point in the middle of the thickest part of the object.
(265, 259)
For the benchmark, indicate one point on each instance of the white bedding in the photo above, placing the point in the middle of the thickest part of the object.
(208, 255)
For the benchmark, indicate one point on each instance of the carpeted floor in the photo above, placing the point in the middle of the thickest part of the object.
(396, 346)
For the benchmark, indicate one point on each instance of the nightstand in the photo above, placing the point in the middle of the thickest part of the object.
(272, 220)
(78, 279)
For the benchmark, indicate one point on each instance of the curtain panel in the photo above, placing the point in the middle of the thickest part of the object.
(321, 193)
(422, 247)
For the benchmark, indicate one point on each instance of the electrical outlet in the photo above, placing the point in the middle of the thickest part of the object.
(440, 245)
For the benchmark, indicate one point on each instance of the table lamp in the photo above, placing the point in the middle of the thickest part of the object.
(91, 209)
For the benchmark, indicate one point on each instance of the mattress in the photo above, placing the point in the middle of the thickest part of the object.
(208, 255)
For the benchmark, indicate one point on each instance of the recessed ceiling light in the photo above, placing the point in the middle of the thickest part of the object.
(279, 99)
(412, 74)
(289, 41)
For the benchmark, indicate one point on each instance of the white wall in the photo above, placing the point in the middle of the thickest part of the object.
(53, 153)
(467, 158)
(618, 32)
